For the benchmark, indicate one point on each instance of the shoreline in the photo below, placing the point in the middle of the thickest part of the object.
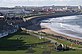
(37, 27)
(49, 31)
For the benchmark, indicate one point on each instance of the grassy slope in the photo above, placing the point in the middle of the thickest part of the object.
(9, 43)
(65, 42)
(16, 39)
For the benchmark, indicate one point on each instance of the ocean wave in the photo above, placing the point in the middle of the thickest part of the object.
(66, 24)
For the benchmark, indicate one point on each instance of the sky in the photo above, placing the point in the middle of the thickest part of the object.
(11, 3)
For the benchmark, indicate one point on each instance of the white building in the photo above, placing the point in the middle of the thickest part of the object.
(79, 7)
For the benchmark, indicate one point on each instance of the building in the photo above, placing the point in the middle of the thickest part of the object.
(79, 7)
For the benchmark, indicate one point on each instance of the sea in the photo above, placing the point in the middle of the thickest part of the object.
(67, 25)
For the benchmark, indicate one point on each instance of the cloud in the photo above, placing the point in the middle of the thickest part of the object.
(63, 0)
(38, 2)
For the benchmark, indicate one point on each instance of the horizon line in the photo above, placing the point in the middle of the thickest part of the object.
(38, 5)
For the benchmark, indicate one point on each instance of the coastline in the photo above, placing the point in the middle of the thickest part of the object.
(49, 31)
(37, 27)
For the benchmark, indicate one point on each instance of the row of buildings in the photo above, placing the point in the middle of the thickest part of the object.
(17, 10)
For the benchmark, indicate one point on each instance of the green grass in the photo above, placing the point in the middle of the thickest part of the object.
(16, 44)
(12, 52)
(39, 51)
(65, 42)
(68, 43)
(68, 52)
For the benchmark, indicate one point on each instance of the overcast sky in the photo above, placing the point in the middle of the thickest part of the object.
(10, 3)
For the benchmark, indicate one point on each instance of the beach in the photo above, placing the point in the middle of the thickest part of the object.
(36, 26)
(49, 31)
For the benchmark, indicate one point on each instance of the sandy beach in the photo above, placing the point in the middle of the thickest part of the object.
(49, 31)
(43, 28)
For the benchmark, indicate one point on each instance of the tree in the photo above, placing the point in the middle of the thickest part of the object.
(59, 48)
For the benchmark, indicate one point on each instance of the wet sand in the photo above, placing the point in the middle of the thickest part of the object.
(49, 31)
(37, 27)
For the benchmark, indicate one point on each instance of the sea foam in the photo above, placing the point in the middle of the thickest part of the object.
(68, 25)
